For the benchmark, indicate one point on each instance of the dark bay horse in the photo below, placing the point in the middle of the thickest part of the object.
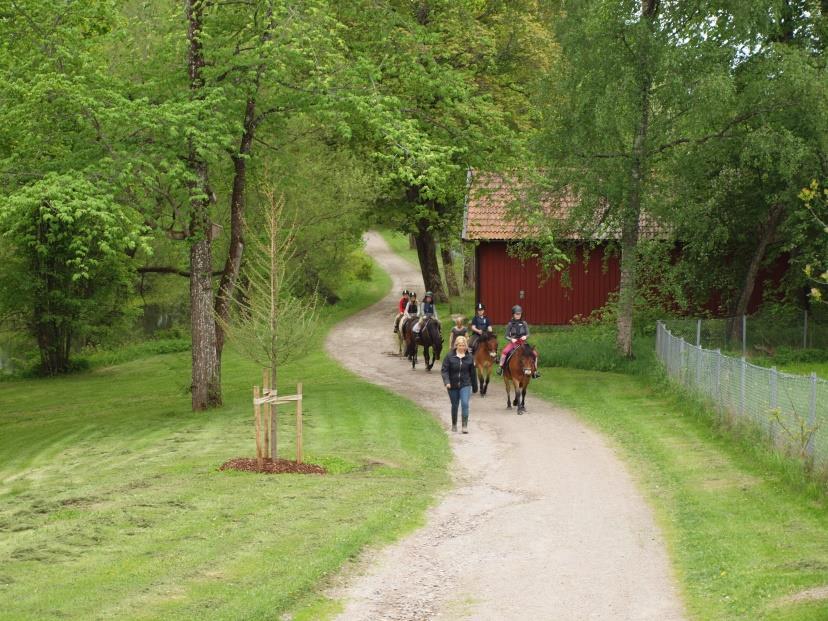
(485, 358)
(430, 338)
(518, 373)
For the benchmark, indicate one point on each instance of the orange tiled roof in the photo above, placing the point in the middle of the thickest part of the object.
(494, 204)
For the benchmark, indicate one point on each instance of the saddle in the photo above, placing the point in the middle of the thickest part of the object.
(513, 352)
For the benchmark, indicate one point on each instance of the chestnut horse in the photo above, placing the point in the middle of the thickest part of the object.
(485, 358)
(518, 373)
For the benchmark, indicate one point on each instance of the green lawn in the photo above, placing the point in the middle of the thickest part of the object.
(740, 535)
(111, 504)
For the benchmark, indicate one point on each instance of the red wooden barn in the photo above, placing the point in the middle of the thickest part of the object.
(503, 280)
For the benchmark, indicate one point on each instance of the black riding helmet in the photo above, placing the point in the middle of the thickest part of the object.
(517, 309)
(481, 306)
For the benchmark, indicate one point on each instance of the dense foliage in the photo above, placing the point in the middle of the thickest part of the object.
(710, 116)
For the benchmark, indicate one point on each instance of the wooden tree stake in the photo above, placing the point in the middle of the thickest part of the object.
(267, 412)
(299, 423)
(257, 418)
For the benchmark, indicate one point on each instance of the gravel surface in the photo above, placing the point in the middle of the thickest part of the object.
(543, 520)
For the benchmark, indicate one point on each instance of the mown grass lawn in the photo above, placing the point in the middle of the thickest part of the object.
(741, 536)
(111, 504)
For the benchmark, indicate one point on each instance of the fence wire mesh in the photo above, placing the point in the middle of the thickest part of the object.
(792, 410)
(758, 333)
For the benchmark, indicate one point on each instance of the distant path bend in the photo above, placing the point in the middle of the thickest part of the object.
(544, 522)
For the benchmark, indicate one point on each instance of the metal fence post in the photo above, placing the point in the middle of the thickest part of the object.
(719, 381)
(698, 333)
(658, 340)
(698, 365)
(742, 387)
(809, 448)
(682, 365)
(744, 335)
(774, 400)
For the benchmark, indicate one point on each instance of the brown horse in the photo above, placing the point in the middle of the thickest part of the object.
(430, 337)
(485, 358)
(518, 373)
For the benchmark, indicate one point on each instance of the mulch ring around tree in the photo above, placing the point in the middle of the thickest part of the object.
(280, 466)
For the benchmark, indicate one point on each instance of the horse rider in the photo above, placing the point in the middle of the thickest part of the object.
(427, 312)
(401, 308)
(517, 331)
(412, 310)
(480, 325)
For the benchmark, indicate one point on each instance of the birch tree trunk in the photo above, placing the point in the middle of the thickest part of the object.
(631, 214)
(206, 378)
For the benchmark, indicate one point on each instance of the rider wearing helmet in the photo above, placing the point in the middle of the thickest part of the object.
(517, 331)
(427, 311)
(401, 309)
(412, 310)
(480, 325)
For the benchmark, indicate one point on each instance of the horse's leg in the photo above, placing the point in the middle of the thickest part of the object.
(427, 357)
(523, 398)
(517, 392)
(507, 381)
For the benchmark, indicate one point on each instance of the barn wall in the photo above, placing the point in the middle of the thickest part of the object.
(501, 278)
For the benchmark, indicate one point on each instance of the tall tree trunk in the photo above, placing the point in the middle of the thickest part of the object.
(448, 267)
(766, 237)
(631, 214)
(427, 255)
(237, 203)
(206, 380)
(238, 195)
(412, 242)
(468, 266)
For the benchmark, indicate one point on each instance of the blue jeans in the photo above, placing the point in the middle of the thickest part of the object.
(459, 396)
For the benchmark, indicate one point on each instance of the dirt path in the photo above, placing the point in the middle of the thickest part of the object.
(543, 522)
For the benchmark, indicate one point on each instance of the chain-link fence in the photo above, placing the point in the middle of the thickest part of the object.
(791, 409)
(757, 334)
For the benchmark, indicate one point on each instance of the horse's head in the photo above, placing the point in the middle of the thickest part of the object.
(490, 344)
(526, 359)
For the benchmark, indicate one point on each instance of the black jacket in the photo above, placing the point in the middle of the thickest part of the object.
(458, 371)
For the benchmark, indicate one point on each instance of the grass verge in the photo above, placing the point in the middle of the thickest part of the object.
(741, 537)
(111, 505)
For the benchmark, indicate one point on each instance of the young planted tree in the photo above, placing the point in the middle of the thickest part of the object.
(270, 323)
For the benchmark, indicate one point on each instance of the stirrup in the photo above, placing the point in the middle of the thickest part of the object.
(499, 370)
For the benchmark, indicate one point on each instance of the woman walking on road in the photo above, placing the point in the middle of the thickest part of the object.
(460, 379)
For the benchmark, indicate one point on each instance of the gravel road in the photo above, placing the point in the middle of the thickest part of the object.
(543, 520)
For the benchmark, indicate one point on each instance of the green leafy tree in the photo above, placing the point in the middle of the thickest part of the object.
(639, 80)
(68, 264)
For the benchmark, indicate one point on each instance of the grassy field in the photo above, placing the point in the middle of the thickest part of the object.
(741, 536)
(111, 504)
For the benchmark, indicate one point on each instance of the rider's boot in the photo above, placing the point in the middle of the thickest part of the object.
(454, 427)
(535, 374)
(465, 425)
(499, 370)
